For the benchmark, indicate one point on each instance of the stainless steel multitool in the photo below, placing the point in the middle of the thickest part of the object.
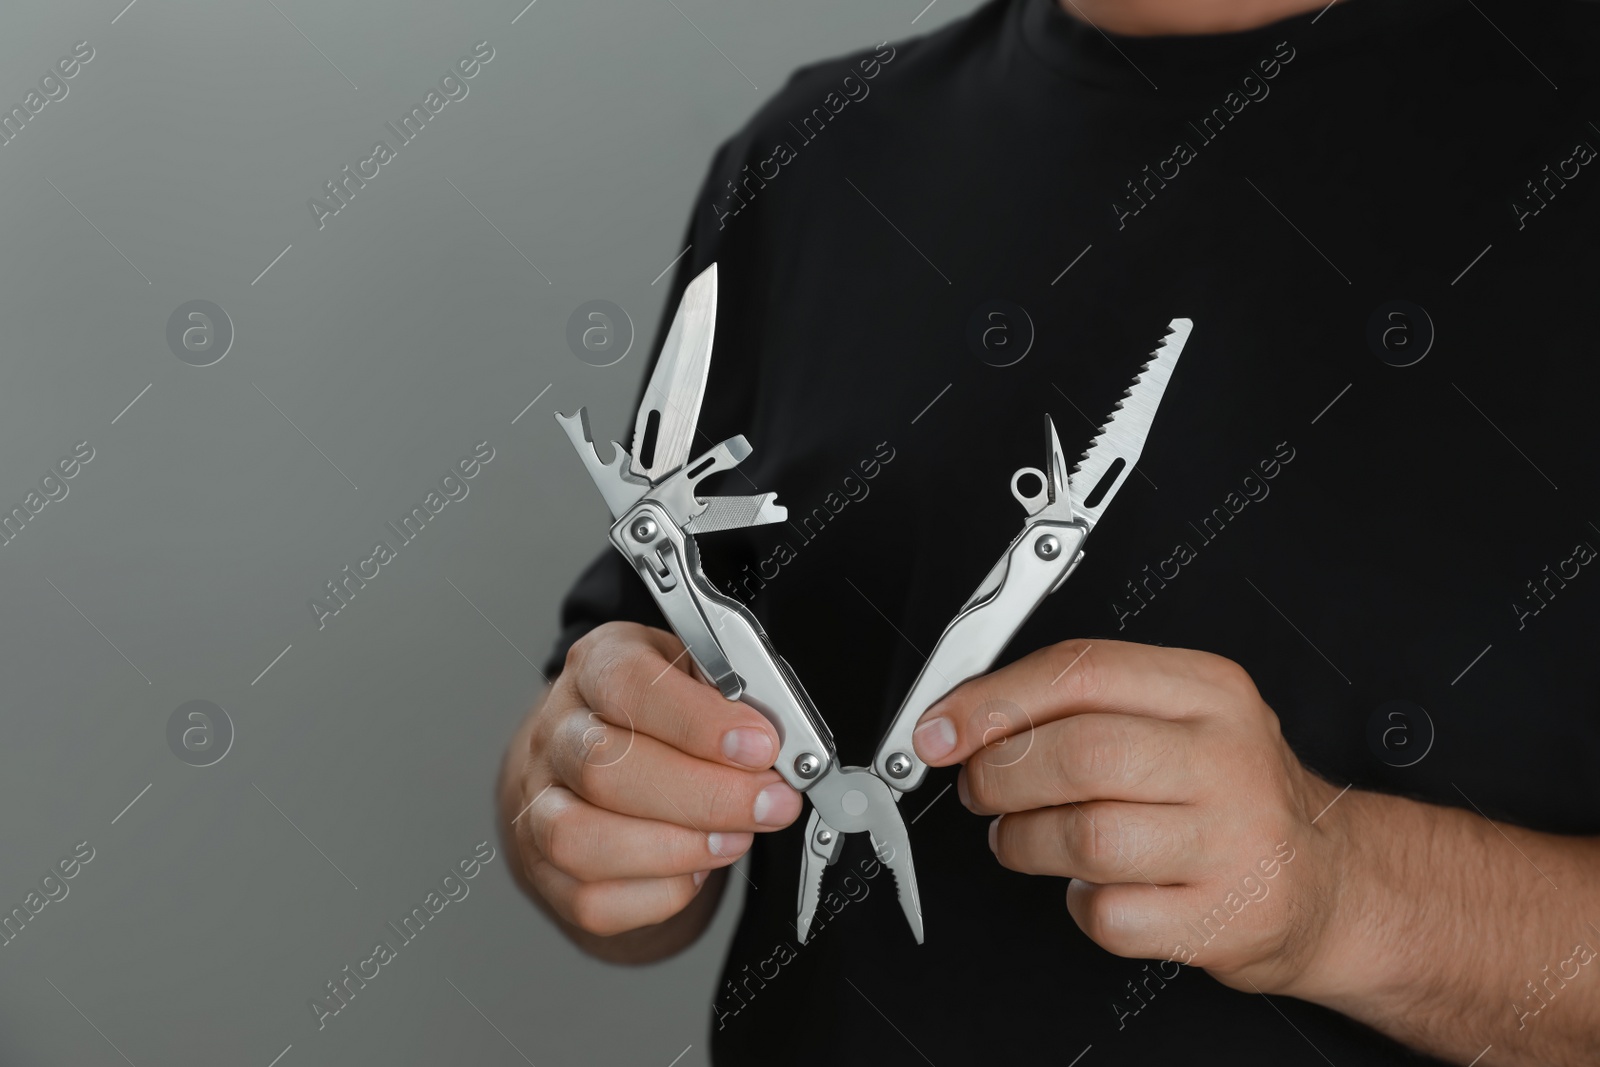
(656, 511)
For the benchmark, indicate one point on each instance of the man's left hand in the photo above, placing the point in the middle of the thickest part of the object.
(1157, 779)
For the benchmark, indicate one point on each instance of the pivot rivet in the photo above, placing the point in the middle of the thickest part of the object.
(806, 765)
(898, 765)
(644, 530)
(1047, 547)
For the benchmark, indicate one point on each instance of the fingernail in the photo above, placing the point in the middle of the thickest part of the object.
(934, 739)
(748, 747)
(728, 846)
(699, 878)
(994, 834)
(777, 805)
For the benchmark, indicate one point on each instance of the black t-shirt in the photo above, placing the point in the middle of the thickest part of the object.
(1403, 556)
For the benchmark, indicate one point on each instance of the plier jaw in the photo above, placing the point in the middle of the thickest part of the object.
(855, 800)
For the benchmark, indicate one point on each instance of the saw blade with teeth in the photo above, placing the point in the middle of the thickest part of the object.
(1116, 448)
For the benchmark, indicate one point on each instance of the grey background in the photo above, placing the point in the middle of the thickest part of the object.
(184, 555)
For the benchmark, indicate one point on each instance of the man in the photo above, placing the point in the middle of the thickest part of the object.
(1365, 809)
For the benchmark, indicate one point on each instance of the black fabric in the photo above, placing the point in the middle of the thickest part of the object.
(1406, 512)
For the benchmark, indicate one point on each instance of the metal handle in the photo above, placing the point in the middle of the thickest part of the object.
(1035, 565)
(725, 640)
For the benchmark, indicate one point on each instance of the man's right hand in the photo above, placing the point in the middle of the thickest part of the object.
(632, 781)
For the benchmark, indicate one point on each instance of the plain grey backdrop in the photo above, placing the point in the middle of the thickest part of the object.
(368, 358)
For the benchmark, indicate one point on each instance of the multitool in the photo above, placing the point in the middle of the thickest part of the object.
(657, 513)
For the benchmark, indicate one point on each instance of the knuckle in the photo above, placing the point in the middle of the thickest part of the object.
(593, 778)
(587, 910)
(676, 894)
(1226, 674)
(582, 651)
(609, 659)
(1186, 839)
(535, 832)
(1028, 843)
(981, 785)
(583, 742)
(1009, 848)
(532, 866)
(572, 664)
(551, 714)
(1112, 921)
(1090, 837)
(1125, 841)
(563, 841)
(1096, 916)
(610, 675)
(557, 749)
(539, 734)
(1108, 841)
(604, 743)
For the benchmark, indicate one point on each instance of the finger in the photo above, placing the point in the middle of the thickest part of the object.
(649, 779)
(1070, 678)
(639, 678)
(594, 845)
(1137, 920)
(1156, 844)
(613, 907)
(1086, 757)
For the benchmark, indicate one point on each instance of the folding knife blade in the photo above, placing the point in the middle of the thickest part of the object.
(663, 430)
(1059, 481)
(1116, 448)
(1054, 498)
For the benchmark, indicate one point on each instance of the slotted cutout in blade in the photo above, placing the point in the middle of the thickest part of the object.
(1098, 493)
(663, 430)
